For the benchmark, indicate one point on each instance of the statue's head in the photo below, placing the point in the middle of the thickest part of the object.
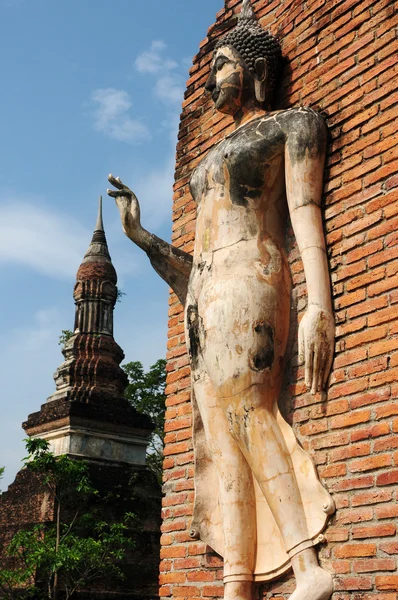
(245, 65)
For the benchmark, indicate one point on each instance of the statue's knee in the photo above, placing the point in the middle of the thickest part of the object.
(239, 421)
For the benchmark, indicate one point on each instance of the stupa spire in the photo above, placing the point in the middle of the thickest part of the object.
(91, 369)
(99, 226)
(98, 246)
(87, 415)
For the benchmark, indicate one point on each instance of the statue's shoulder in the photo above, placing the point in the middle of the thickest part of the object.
(301, 119)
(300, 115)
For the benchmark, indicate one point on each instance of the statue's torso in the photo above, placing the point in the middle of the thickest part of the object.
(239, 189)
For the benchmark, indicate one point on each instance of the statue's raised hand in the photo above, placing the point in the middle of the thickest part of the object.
(316, 346)
(129, 208)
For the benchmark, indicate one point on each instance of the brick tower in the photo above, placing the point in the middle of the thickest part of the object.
(87, 417)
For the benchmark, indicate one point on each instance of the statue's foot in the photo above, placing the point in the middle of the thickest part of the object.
(315, 584)
(238, 590)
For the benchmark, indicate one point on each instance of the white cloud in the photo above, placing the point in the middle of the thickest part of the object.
(152, 61)
(48, 242)
(111, 117)
(169, 89)
(168, 85)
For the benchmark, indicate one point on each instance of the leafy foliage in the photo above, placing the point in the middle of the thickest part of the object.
(145, 391)
(119, 295)
(58, 558)
(65, 336)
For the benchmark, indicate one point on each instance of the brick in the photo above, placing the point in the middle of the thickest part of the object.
(388, 376)
(343, 421)
(213, 591)
(356, 515)
(185, 591)
(383, 347)
(387, 410)
(354, 583)
(386, 443)
(175, 577)
(367, 368)
(369, 277)
(341, 566)
(389, 478)
(383, 316)
(371, 431)
(387, 582)
(337, 534)
(369, 531)
(371, 497)
(389, 547)
(378, 395)
(345, 389)
(387, 512)
(374, 564)
(351, 451)
(173, 551)
(353, 483)
(348, 358)
(337, 470)
(367, 306)
(354, 297)
(365, 250)
(354, 550)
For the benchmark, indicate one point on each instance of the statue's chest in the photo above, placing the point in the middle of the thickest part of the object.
(241, 165)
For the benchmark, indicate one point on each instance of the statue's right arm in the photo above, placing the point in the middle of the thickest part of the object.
(172, 264)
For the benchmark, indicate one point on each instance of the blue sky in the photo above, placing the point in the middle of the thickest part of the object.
(89, 87)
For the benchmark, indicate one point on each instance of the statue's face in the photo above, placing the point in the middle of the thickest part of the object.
(230, 81)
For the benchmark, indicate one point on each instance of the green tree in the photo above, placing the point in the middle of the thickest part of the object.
(145, 391)
(57, 558)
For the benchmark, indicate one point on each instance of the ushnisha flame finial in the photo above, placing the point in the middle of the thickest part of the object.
(247, 12)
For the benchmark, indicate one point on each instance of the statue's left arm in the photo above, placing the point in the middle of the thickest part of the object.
(304, 160)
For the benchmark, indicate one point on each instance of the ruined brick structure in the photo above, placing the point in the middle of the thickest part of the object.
(88, 417)
(340, 60)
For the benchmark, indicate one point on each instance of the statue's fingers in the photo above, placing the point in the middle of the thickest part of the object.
(316, 369)
(309, 365)
(113, 193)
(329, 360)
(301, 345)
(116, 182)
(119, 193)
(322, 367)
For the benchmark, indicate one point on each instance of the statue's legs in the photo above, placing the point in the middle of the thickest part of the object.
(231, 436)
(236, 493)
(243, 325)
(256, 431)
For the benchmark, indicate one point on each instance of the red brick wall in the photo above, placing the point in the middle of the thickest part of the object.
(342, 57)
